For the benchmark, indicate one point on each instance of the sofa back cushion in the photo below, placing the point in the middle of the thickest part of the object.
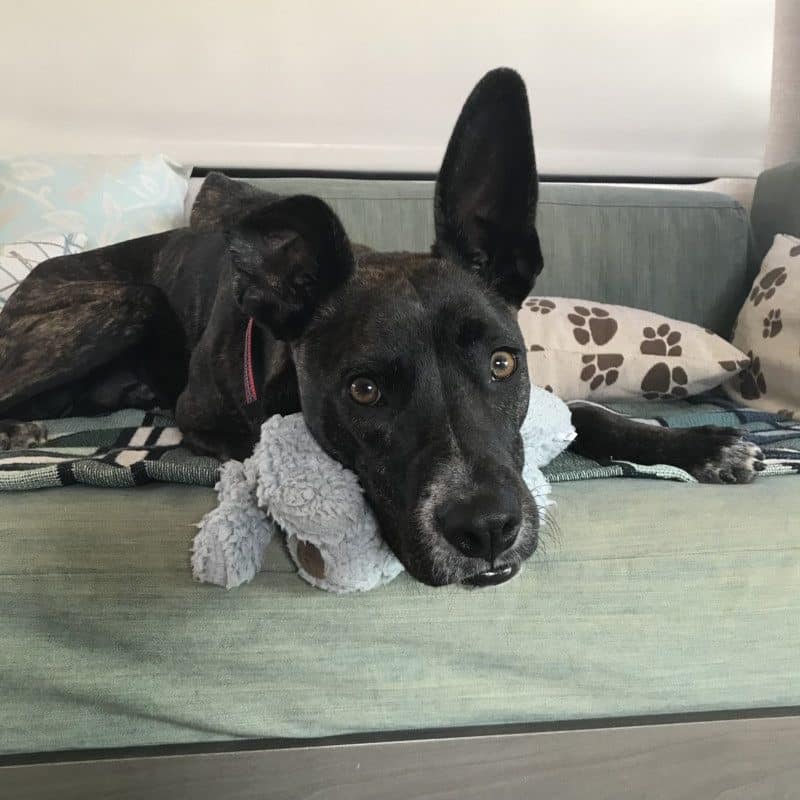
(776, 208)
(679, 252)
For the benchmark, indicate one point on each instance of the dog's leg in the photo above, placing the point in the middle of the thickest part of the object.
(54, 336)
(711, 454)
(209, 411)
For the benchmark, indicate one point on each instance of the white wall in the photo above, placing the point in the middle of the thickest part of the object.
(618, 87)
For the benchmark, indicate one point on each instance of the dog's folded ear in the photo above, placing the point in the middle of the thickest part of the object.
(287, 257)
(487, 189)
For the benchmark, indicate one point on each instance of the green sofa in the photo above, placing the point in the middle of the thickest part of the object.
(655, 598)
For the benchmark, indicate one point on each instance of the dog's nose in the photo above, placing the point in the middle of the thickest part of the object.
(483, 525)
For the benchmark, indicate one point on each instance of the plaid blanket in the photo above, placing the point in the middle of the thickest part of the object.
(130, 448)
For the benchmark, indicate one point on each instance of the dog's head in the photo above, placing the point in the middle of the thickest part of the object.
(411, 368)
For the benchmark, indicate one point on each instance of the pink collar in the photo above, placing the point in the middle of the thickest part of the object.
(250, 393)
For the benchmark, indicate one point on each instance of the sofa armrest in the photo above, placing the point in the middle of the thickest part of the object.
(776, 206)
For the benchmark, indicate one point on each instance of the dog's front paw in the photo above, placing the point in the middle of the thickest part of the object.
(723, 456)
(21, 435)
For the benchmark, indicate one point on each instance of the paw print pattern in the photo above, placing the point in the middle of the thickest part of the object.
(662, 382)
(539, 305)
(795, 251)
(772, 324)
(752, 383)
(735, 366)
(592, 326)
(536, 348)
(661, 342)
(768, 285)
(601, 369)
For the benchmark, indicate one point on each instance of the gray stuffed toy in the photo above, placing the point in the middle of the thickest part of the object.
(331, 532)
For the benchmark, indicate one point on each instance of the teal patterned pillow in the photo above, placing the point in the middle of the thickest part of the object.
(110, 198)
(17, 259)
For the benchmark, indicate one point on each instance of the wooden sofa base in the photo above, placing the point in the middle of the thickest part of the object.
(745, 757)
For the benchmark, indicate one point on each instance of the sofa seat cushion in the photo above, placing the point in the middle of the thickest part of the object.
(654, 597)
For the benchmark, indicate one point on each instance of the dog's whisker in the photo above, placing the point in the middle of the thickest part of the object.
(550, 530)
(549, 535)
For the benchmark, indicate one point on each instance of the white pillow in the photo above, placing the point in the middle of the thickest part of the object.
(17, 259)
(109, 198)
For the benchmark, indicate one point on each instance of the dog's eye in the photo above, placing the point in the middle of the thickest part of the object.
(364, 391)
(504, 365)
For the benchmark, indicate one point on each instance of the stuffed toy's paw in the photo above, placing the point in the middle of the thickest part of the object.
(229, 548)
(331, 532)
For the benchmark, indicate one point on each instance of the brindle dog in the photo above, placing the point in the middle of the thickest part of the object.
(409, 368)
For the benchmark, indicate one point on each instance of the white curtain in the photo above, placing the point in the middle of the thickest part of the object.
(618, 87)
(783, 139)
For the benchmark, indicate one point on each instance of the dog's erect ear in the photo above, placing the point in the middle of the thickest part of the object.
(487, 188)
(287, 258)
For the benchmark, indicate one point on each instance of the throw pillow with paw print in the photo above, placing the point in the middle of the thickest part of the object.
(583, 349)
(768, 330)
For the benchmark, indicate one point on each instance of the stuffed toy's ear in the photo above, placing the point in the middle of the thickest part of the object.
(331, 533)
(287, 257)
(546, 431)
